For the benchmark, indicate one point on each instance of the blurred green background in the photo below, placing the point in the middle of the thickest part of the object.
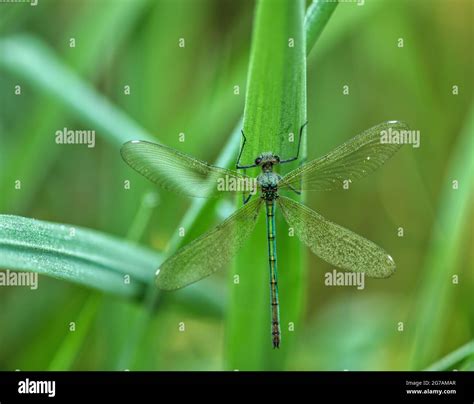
(192, 90)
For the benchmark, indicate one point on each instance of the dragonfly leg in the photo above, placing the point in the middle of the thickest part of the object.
(299, 146)
(237, 165)
(246, 199)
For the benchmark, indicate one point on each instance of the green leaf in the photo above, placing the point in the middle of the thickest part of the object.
(32, 156)
(67, 352)
(275, 102)
(75, 254)
(275, 106)
(93, 259)
(32, 60)
(442, 259)
(316, 18)
(71, 344)
(455, 357)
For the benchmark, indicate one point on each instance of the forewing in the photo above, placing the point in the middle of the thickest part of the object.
(179, 172)
(335, 244)
(352, 160)
(211, 251)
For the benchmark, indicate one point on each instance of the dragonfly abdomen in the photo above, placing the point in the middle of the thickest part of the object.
(272, 260)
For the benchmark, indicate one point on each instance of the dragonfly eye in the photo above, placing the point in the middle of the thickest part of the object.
(277, 158)
(258, 160)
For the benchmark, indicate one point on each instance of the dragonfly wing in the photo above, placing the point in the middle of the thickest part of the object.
(209, 252)
(179, 172)
(350, 161)
(335, 244)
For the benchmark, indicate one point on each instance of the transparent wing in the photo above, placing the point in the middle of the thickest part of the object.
(211, 251)
(335, 244)
(179, 172)
(352, 160)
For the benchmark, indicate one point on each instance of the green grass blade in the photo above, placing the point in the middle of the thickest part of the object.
(91, 258)
(33, 155)
(35, 62)
(149, 201)
(457, 356)
(441, 262)
(70, 346)
(316, 18)
(75, 254)
(73, 341)
(276, 90)
(275, 106)
(112, 22)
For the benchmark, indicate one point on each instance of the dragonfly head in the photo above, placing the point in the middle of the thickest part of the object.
(266, 160)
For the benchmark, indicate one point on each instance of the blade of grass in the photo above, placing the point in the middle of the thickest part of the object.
(71, 344)
(149, 201)
(75, 254)
(317, 16)
(468, 365)
(33, 154)
(35, 62)
(315, 20)
(441, 261)
(450, 360)
(42, 341)
(89, 258)
(275, 106)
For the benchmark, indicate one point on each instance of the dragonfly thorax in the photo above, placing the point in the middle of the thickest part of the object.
(268, 182)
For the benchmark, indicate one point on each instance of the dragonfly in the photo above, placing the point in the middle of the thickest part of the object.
(181, 173)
